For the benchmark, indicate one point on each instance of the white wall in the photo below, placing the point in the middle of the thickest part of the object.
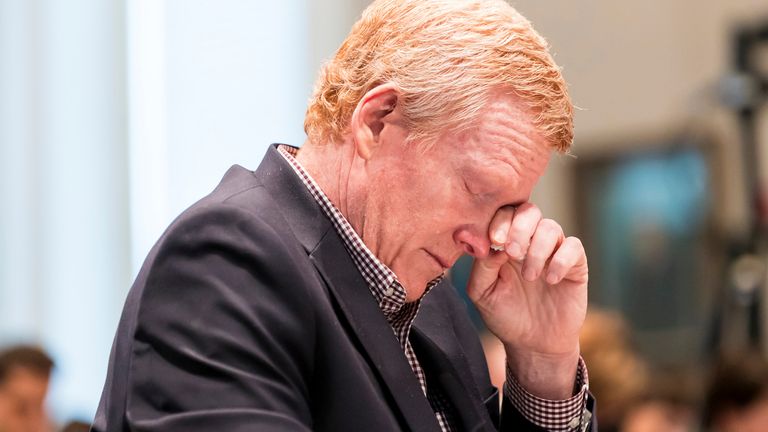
(226, 79)
(114, 117)
(64, 186)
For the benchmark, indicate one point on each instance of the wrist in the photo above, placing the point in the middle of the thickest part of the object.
(545, 375)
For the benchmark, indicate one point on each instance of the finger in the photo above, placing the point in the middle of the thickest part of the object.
(509, 271)
(484, 274)
(498, 230)
(527, 217)
(546, 239)
(568, 262)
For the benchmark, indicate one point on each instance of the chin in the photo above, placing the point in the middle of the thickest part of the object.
(414, 291)
(409, 298)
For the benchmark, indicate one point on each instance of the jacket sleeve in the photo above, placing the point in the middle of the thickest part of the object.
(225, 333)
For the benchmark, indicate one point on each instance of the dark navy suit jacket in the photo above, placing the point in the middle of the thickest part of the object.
(249, 315)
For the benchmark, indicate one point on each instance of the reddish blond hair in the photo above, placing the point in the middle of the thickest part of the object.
(446, 58)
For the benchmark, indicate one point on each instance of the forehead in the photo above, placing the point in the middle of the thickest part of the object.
(24, 381)
(505, 138)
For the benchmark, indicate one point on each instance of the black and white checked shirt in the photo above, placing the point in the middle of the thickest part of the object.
(567, 415)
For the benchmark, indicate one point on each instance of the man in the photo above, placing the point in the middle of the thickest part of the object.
(24, 377)
(309, 294)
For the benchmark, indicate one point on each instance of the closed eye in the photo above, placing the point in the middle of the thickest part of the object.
(477, 195)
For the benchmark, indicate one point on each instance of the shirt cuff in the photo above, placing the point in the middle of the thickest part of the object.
(569, 415)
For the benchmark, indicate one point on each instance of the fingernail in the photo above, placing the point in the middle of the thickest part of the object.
(552, 278)
(513, 249)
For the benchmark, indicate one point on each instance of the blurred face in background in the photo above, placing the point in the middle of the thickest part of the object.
(658, 416)
(22, 401)
(751, 418)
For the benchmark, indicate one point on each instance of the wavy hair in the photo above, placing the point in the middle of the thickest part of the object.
(446, 58)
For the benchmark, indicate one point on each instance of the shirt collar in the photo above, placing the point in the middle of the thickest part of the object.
(382, 281)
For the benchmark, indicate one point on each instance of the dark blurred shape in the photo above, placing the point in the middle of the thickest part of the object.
(737, 399)
(496, 358)
(31, 358)
(24, 375)
(747, 99)
(76, 426)
(617, 375)
(659, 415)
(669, 403)
(745, 92)
(633, 396)
(459, 275)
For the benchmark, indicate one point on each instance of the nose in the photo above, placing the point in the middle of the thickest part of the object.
(474, 243)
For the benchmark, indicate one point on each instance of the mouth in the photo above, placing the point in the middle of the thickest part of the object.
(442, 262)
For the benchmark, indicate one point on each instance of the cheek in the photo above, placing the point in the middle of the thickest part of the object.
(423, 204)
(447, 210)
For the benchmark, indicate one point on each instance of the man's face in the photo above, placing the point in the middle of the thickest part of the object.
(427, 208)
(22, 399)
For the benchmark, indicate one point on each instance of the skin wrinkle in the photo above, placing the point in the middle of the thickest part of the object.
(374, 238)
(511, 155)
(345, 187)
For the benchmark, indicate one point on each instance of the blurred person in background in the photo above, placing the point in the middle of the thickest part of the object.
(669, 404)
(659, 415)
(617, 373)
(737, 398)
(76, 426)
(287, 299)
(633, 398)
(24, 376)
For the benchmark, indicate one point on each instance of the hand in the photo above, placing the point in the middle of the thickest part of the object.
(533, 296)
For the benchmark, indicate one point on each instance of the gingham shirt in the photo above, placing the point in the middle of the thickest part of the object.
(567, 415)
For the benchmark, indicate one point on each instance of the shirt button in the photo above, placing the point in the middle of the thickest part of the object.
(389, 291)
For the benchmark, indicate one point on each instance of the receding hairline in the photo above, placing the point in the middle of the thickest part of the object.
(510, 51)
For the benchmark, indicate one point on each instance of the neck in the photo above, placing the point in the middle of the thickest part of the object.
(332, 165)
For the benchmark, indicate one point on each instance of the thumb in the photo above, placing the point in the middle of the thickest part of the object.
(484, 274)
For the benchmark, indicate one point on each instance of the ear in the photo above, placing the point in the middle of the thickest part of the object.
(378, 109)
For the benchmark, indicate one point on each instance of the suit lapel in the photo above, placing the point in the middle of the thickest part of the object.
(442, 356)
(314, 231)
(373, 332)
(444, 370)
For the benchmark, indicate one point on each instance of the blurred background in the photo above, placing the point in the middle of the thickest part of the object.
(117, 115)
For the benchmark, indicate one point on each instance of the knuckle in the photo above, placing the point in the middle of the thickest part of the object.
(535, 212)
(557, 263)
(549, 226)
(521, 233)
(524, 227)
(575, 242)
(528, 211)
(554, 270)
(537, 256)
